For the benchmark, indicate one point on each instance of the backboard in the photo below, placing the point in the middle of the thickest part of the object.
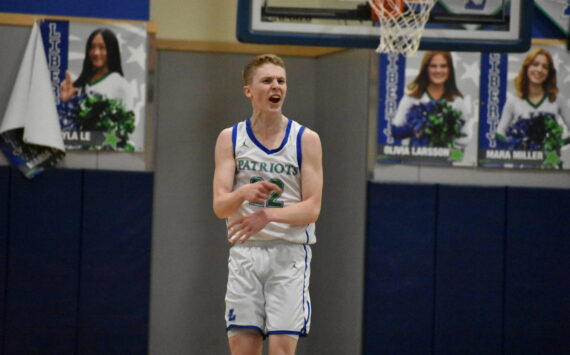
(454, 25)
(558, 11)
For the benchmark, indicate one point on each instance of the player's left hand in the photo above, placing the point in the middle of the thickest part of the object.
(242, 228)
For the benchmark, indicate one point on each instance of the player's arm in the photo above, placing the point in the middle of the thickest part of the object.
(225, 201)
(304, 212)
(308, 210)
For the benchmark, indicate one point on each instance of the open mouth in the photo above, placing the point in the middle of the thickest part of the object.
(275, 99)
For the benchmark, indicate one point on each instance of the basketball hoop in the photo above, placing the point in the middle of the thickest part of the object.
(402, 24)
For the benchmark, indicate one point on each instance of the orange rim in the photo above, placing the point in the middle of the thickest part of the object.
(390, 7)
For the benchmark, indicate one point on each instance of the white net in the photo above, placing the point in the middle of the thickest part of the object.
(402, 24)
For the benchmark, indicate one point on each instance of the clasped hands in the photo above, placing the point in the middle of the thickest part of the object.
(241, 229)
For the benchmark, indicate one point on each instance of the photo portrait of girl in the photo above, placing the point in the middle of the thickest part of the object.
(98, 74)
(102, 72)
(433, 120)
(434, 82)
(530, 126)
(537, 98)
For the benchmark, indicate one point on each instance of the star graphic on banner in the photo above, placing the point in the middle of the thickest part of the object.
(552, 158)
(567, 78)
(557, 61)
(456, 155)
(514, 63)
(137, 55)
(471, 72)
(138, 30)
(121, 40)
(74, 38)
(75, 55)
(511, 75)
(134, 89)
(138, 91)
(514, 59)
(410, 73)
(468, 104)
(111, 139)
(456, 58)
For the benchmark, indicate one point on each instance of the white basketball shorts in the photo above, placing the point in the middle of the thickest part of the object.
(268, 288)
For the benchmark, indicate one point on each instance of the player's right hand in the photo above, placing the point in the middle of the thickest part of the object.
(259, 191)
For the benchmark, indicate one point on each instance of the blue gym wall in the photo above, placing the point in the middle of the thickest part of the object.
(75, 253)
(467, 270)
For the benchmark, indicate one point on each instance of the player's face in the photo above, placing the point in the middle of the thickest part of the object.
(98, 52)
(268, 88)
(537, 71)
(438, 70)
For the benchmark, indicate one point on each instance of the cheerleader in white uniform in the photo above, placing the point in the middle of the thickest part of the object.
(536, 93)
(435, 81)
(102, 71)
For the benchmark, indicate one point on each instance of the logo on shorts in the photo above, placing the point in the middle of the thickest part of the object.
(231, 315)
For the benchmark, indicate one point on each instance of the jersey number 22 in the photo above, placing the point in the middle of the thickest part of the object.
(273, 201)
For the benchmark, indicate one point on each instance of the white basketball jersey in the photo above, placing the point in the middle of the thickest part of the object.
(281, 166)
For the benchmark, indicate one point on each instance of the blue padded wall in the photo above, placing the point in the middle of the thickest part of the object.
(75, 262)
(537, 288)
(4, 203)
(469, 270)
(399, 269)
(43, 263)
(497, 259)
(115, 266)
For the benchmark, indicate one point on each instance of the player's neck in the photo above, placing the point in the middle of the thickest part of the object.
(269, 129)
(273, 121)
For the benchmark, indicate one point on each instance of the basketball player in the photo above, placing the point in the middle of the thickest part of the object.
(268, 184)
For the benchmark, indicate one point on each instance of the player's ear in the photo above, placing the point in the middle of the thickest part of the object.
(247, 91)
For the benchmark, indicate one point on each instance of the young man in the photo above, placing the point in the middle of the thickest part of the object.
(268, 184)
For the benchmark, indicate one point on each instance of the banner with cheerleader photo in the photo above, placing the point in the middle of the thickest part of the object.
(427, 108)
(98, 75)
(525, 110)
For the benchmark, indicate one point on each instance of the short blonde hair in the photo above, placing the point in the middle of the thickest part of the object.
(257, 61)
